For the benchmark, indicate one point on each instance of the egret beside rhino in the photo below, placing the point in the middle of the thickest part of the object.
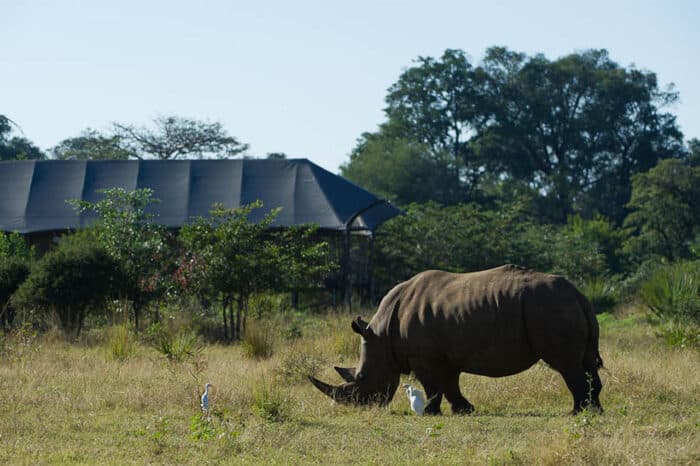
(495, 323)
(415, 399)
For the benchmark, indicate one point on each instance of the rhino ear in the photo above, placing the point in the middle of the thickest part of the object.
(359, 326)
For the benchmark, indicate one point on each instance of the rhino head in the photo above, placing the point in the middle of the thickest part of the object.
(373, 380)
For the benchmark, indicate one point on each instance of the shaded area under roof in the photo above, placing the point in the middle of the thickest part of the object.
(33, 194)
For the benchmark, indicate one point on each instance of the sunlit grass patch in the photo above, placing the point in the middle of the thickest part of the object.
(67, 403)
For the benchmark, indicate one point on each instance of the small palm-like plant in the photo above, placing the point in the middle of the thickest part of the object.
(673, 292)
(178, 347)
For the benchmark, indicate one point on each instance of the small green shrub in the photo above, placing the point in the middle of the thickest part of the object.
(673, 293)
(121, 343)
(258, 340)
(269, 402)
(201, 427)
(680, 335)
(602, 294)
(13, 272)
(177, 346)
(297, 365)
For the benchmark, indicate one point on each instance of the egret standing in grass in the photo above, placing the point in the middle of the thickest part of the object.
(205, 399)
(416, 398)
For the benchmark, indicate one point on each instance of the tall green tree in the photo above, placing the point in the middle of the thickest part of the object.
(694, 152)
(439, 103)
(229, 258)
(572, 130)
(303, 262)
(127, 231)
(576, 128)
(173, 137)
(91, 145)
(402, 170)
(664, 211)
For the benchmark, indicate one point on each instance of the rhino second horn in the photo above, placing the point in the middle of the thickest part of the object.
(347, 373)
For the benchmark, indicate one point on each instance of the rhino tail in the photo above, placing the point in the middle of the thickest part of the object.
(592, 355)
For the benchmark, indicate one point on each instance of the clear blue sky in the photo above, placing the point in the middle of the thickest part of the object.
(301, 77)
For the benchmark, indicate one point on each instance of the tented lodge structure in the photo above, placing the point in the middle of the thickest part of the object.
(34, 195)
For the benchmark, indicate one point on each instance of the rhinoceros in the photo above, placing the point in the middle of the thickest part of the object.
(495, 323)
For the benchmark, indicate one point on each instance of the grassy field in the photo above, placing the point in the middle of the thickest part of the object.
(76, 403)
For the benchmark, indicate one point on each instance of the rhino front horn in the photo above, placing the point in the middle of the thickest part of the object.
(340, 394)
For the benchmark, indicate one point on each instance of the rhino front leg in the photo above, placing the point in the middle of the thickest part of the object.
(426, 375)
(460, 405)
(434, 399)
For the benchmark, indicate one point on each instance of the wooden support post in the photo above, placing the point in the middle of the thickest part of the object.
(347, 272)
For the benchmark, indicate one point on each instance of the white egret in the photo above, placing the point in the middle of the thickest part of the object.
(416, 399)
(205, 398)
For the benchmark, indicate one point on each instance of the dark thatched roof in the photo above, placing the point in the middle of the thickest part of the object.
(33, 194)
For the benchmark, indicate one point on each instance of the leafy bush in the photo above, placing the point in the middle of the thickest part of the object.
(13, 272)
(470, 237)
(71, 280)
(13, 245)
(297, 365)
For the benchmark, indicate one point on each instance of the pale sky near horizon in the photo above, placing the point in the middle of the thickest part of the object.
(306, 77)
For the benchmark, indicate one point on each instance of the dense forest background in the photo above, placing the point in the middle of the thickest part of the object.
(574, 166)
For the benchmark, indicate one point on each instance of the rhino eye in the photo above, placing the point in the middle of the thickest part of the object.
(360, 376)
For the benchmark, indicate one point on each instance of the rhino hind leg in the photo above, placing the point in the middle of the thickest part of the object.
(585, 386)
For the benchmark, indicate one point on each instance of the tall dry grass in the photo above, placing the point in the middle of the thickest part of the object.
(67, 403)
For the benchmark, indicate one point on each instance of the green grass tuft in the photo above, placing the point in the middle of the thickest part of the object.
(258, 340)
(122, 343)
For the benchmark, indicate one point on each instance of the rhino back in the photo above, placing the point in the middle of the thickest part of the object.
(482, 322)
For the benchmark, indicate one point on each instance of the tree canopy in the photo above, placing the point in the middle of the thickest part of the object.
(665, 212)
(174, 137)
(92, 145)
(572, 131)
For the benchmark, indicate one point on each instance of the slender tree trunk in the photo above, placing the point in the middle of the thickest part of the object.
(239, 313)
(246, 301)
(224, 306)
(81, 317)
(137, 312)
